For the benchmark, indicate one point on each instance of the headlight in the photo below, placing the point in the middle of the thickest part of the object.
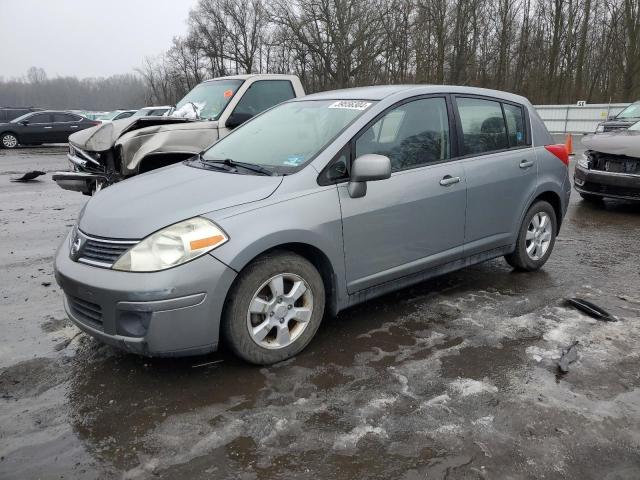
(172, 246)
(583, 161)
(600, 128)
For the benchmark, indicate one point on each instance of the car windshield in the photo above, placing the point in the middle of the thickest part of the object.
(289, 135)
(632, 111)
(635, 127)
(210, 98)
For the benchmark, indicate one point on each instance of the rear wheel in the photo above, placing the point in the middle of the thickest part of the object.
(536, 238)
(274, 308)
(8, 140)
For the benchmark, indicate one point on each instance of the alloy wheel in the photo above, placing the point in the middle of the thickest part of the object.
(538, 236)
(280, 311)
(9, 141)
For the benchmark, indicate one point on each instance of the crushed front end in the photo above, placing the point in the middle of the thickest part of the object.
(90, 170)
(608, 175)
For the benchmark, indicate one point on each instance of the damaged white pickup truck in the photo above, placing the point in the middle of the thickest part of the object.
(114, 151)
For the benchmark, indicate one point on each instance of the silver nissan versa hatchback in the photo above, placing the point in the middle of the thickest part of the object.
(315, 205)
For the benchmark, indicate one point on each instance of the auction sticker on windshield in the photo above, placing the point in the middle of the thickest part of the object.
(351, 104)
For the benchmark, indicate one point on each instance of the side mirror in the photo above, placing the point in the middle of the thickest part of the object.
(367, 168)
(237, 119)
(24, 122)
(611, 117)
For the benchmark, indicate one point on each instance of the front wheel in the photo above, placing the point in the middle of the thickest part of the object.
(274, 309)
(536, 238)
(8, 140)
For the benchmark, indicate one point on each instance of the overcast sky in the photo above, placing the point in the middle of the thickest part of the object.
(86, 38)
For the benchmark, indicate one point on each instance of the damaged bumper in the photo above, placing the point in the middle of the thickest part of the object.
(607, 184)
(172, 312)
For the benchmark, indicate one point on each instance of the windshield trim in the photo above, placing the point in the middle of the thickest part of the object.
(281, 170)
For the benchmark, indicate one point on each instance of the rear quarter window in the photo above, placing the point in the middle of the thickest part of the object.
(516, 126)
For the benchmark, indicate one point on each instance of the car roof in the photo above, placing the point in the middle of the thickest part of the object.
(251, 75)
(155, 108)
(383, 91)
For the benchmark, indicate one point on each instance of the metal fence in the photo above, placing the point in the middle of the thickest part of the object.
(577, 119)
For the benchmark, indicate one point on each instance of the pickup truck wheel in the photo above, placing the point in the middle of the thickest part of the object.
(274, 309)
(8, 140)
(536, 238)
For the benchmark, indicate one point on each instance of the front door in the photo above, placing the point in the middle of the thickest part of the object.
(500, 169)
(415, 219)
(37, 130)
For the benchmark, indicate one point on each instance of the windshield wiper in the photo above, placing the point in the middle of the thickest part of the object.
(233, 164)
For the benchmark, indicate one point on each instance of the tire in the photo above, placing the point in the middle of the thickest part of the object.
(592, 198)
(533, 252)
(8, 140)
(256, 287)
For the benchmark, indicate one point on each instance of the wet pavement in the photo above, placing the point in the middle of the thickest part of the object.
(452, 378)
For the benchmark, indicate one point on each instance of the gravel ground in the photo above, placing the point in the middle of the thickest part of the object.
(453, 378)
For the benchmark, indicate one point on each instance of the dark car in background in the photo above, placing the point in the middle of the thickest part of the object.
(622, 120)
(610, 167)
(9, 113)
(47, 126)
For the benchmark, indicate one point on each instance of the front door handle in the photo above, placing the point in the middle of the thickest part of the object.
(526, 164)
(448, 180)
(74, 126)
(48, 127)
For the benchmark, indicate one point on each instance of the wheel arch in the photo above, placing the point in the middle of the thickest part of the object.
(318, 258)
(554, 200)
(12, 133)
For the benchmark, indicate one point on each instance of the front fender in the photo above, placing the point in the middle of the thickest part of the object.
(312, 219)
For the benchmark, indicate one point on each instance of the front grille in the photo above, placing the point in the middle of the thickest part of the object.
(86, 311)
(102, 252)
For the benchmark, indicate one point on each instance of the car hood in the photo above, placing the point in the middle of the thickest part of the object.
(137, 207)
(620, 142)
(102, 137)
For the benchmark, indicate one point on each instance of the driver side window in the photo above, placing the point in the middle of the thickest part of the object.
(264, 94)
(412, 135)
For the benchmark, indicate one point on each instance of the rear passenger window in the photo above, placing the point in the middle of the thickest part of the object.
(264, 94)
(411, 135)
(483, 128)
(515, 125)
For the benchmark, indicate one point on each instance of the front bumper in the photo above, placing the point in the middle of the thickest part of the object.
(173, 312)
(607, 184)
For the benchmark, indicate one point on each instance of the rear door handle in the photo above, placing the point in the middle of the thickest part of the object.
(47, 127)
(526, 164)
(74, 126)
(448, 180)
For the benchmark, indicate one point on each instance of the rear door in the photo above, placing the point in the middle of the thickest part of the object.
(415, 219)
(64, 124)
(500, 169)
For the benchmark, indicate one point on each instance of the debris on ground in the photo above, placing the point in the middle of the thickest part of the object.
(27, 177)
(591, 309)
(569, 355)
(46, 284)
(206, 364)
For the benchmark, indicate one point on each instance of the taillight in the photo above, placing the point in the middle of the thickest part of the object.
(559, 151)
(96, 122)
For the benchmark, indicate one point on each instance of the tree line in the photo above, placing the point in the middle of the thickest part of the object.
(101, 94)
(552, 51)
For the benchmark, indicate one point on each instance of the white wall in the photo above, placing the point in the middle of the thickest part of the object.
(574, 119)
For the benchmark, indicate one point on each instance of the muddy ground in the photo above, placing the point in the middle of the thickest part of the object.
(453, 378)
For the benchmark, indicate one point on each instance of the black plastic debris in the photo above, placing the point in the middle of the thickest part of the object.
(591, 309)
(27, 177)
(569, 355)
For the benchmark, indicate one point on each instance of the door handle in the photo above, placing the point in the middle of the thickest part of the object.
(47, 127)
(526, 164)
(74, 126)
(448, 180)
